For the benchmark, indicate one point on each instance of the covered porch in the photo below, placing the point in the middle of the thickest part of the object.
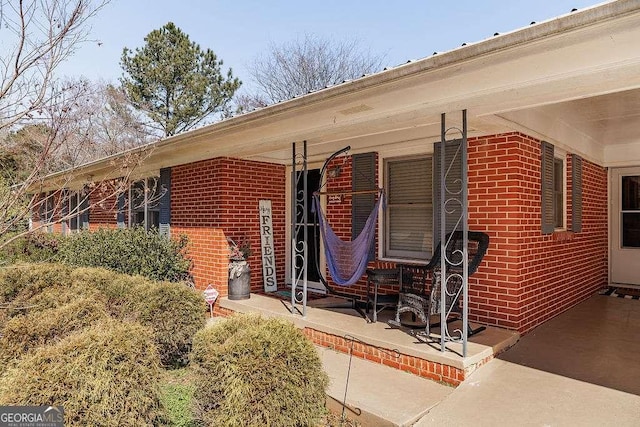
(563, 82)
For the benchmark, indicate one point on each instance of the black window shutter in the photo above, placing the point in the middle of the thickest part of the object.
(576, 193)
(453, 162)
(165, 202)
(122, 197)
(84, 208)
(363, 177)
(42, 208)
(547, 203)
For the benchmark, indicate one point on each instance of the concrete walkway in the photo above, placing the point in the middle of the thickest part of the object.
(378, 395)
(507, 394)
(499, 394)
(575, 370)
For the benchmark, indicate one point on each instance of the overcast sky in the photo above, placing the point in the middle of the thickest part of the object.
(238, 30)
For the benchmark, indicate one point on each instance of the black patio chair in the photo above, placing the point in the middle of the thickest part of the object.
(422, 302)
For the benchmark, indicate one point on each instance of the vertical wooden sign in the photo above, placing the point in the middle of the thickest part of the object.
(266, 247)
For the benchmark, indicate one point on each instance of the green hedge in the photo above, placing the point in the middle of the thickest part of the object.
(251, 371)
(131, 251)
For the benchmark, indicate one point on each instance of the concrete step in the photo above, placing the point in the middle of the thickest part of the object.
(378, 395)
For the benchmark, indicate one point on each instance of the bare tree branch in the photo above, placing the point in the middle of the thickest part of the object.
(307, 64)
(47, 124)
(37, 37)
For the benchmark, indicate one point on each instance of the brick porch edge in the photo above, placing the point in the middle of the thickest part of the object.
(424, 368)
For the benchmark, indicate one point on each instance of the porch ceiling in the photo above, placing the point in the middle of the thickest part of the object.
(573, 80)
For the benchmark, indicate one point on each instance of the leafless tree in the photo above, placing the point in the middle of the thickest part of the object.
(100, 123)
(46, 116)
(306, 64)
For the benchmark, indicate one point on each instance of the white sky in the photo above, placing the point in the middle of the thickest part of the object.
(238, 30)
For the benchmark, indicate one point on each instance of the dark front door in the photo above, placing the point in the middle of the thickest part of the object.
(306, 220)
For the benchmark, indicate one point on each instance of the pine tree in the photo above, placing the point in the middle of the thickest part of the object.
(174, 82)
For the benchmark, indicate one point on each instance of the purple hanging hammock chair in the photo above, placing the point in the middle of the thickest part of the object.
(347, 260)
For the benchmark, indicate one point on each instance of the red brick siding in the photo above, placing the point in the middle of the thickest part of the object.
(218, 198)
(415, 365)
(103, 207)
(527, 277)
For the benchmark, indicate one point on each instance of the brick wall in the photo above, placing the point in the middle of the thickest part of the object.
(103, 206)
(218, 198)
(528, 277)
(525, 278)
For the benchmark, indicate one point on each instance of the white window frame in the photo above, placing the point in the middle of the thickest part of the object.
(385, 223)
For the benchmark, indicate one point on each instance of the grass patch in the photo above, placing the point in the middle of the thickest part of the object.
(176, 395)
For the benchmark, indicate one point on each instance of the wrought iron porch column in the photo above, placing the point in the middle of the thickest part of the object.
(299, 222)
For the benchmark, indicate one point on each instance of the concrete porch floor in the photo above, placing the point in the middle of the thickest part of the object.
(580, 368)
(347, 322)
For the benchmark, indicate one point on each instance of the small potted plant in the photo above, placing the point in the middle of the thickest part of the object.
(239, 270)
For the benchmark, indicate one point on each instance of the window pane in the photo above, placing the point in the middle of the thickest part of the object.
(138, 218)
(558, 171)
(410, 228)
(137, 196)
(630, 192)
(153, 219)
(154, 192)
(73, 210)
(631, 230)
(558, 193)
(558, 212)
(409, 181)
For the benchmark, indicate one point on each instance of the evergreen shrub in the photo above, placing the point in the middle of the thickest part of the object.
(172, 311)
(32, 247)
(175, 313)
(30, 279)
(252, 371)
(40, 326)
(104, 375)
(133, 251)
